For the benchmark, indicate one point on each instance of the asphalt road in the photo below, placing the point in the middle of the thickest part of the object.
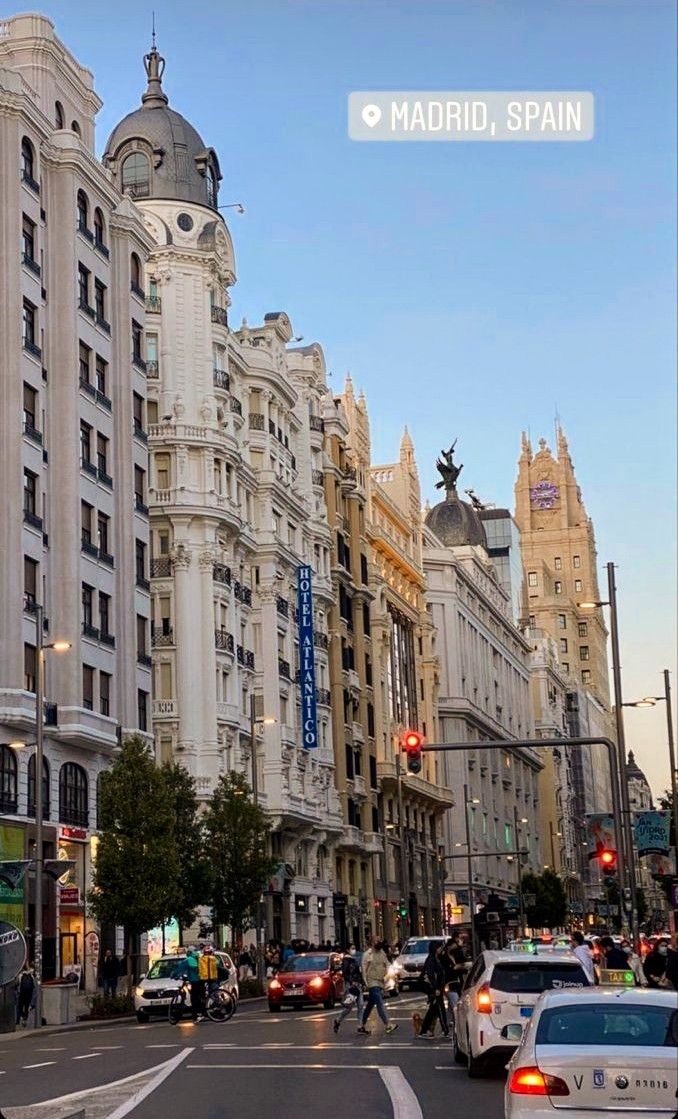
(285, 1066)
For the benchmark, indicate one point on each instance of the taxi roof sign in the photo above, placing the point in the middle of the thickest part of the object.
(525, 946)
(617, 977)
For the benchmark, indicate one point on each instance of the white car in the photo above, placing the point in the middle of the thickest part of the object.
(603, 1053)
(154, 991)
(498, 999)
(407, 966)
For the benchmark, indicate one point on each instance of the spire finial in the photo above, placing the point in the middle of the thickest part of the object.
(153, 30)
(154, 65)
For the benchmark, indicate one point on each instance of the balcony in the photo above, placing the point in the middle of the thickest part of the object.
(86, 231)
(106, 558)
(235, 405)
(31, 348)
(219, 315)
(282, 606)
(30, 182)
(101, 248)
(88, 467)
(224, 640)
(359, 785)
(257, 421)
(221, 379)
(316, 423)
(105, 326)
(136, 290)
(107, 638)
(221, 574)
(165, 709)
(88, 387)
(353, 837)
(284, 669)
(163, 636)
(317, 478)
(321, 640)
(84, 306)
(32, 519)
(104, 478)
(323, 696)
(154, 304)
(374, 842)
(138, 190)
(90, 631)
(242, 593)
(140, 505)
(139, 362)
(249, 659)
(358, 732)
(142, 583)
(161, 567)
(152, 370)
(144, 660)
(32, 433)
(139, 432)
(103, 400)
(89, 548)
(30, 263)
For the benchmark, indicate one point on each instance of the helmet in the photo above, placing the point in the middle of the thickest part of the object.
(208, 948)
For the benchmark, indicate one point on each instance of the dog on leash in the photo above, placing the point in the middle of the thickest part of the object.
(417, 1023)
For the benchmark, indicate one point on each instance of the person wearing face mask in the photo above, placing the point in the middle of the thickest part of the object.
(655, 964)
(634, 963)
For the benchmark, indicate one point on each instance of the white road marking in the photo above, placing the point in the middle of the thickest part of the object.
(292, 1068)
(448, 1068)
(161, 1073)
(169, 1045)
(85, 1056)
(42, 1064)
(405, 1103)
(165, 1070)
(53, 1049)
(107, 1047)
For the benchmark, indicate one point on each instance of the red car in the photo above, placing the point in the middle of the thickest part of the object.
(309, 978)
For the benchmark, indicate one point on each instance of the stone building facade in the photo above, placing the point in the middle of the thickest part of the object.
(74, 539)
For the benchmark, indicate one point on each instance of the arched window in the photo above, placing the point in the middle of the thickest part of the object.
(45, 787)
(73, 795)
(211, 187)
(99, 227)
(8, 780)
(75, 127)
(136, 174)
(83, 210)
(136, 276)
(27, 160)
(59, 114)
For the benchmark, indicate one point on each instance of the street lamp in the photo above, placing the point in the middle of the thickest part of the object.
(625, 833)
(469, 870)
(652, 701)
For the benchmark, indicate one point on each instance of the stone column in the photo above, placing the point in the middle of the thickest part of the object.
(186, 657)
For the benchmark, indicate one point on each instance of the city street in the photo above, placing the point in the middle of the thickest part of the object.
(259, 1064)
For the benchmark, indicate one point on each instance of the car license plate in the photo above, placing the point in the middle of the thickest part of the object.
(526, 1012)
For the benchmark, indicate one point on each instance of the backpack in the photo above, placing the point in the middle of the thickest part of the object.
(26, 982)
(351, 972)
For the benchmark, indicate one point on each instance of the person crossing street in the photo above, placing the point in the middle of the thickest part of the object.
(375, 966)
(353, 990)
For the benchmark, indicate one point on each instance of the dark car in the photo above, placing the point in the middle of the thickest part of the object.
(311, 977)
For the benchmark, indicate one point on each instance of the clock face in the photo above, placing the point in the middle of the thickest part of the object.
(544, 495)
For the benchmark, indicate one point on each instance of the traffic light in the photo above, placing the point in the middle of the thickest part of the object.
(402, 910)
(608, 860)
(412, 742)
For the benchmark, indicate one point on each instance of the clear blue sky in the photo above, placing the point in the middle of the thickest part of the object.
(470, 288)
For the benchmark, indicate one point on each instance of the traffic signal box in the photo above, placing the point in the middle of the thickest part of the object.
(412, 742)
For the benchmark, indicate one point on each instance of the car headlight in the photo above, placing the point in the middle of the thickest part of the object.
(317, 982)
(275, 985)
(139, 992)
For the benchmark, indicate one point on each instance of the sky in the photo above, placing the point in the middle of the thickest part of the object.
(473, 290)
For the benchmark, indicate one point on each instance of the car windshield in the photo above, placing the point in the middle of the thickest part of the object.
(167, 969)
(602, 1025)
(308, 963)
(416, 948)
(536, 976)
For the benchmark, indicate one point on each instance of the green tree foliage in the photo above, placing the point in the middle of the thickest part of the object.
(550, 907)
(136, 874)
(193, 881)
(236, 832)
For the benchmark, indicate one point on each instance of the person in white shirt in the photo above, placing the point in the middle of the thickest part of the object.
(583, 954)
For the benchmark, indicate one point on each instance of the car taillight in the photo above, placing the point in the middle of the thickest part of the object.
(484, 1000)
(531, 1081)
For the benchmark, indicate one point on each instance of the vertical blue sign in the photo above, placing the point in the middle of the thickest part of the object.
(309, 721)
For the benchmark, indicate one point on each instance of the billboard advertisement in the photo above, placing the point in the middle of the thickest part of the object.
(309, 718)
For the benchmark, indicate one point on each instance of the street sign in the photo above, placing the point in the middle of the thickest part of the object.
(12, 952)
(69, 895)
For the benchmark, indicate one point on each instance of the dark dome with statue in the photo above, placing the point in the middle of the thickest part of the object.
(454, 522)
(155, 153)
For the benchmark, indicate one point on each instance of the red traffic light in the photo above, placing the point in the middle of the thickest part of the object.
(608, 859)
(412, 741)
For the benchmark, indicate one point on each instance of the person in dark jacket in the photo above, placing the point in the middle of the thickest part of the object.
(353, 991)
(615, 958)
(654, 964)
(110, 970)
(433, 975)
(25, 992)
(671, 973)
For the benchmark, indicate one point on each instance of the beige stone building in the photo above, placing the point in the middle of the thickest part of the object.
(73, 463)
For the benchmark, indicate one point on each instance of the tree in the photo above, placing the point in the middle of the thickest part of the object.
(236, 832)
(550, 906)
(136, 873)
(193, 881)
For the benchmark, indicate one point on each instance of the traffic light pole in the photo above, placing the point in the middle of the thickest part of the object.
(404, 867)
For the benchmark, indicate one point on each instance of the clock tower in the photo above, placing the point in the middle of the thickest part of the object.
(560, 560)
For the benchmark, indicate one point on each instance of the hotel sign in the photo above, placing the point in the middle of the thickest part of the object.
(309, 720)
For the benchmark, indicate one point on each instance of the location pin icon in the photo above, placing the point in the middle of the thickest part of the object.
(371, 114)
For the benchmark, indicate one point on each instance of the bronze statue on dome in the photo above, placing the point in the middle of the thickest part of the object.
(448, 471)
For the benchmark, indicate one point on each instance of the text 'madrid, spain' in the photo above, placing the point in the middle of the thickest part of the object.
(309, 721)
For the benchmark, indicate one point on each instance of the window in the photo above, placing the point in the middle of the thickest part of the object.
(100, 301)
(142, 709)
(137, 342)
(576, 561)
(558, 587)
(28, 238)
(211, 181)
(140, 561)
(578, 586)
(45, 787)
(563, 644)
(99, 228)
(136, 174)
(558, 563)
(84, 363)
(88, 687)
(562, 621)
(59, 118)
(30, 408)
(86, 511)
(141, 636)
(30, 581)
(139, 487)
(85, 443)
(532, 579)
(103, 534)
(104, 614)
(565, 667)
(73, 794)
(583, 629)
(30, 667)
(105, 693)
(29, 326)
(27, 161)
(138, 413)
(135, 275)
(8, 780)
(83, 211)
(162, 472)
(586, 676)
(102, 375)
(30, 492)
(87, 594)
(83, 285)
(75, 127)
(102, 453)
(583, 652)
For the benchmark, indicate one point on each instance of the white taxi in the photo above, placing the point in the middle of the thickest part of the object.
(602, 1053)
(498, 999)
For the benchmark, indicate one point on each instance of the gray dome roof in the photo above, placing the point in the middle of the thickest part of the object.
(455, 522)
(180, 166)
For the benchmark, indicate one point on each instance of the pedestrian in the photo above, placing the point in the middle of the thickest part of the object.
(583, 953)
(454, 964)
(191, 968)
(634, 964)
(433, 976)
(671, 974)
(26, 990)
(375, 966)
(110, 971)
(614, 958)
(287, 953)
(245, 965)
(353, 990)
(654, 964)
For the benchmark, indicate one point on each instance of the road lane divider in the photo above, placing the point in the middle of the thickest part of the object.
(403, 1100)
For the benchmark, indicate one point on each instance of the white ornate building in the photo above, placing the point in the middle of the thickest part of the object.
(237, 505)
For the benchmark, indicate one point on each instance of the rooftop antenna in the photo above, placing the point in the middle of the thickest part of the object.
(153, 29)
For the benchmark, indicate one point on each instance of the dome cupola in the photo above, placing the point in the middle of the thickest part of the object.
(454, 522)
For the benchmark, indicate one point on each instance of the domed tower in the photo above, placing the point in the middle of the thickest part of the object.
(192, 416)
(455, 522)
